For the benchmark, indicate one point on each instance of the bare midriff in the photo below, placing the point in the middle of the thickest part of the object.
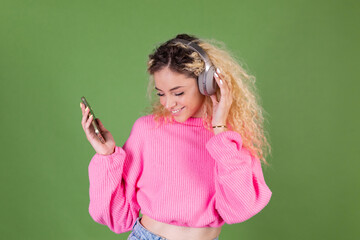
(173, 232)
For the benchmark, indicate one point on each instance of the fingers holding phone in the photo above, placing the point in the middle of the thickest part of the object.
(98, 136)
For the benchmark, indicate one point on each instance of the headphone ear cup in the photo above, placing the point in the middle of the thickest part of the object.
(201, 83)
(210, 82)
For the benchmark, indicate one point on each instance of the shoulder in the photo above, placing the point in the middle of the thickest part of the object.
(140, 128)
(144, 122)
(146, 119)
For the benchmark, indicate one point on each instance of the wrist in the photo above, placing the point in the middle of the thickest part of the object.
(108, 153)
(111, 152)
(219, 128)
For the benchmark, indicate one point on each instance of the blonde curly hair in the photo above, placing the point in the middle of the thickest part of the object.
(245, 115)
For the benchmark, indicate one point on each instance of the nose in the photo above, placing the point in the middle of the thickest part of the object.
(170, 103)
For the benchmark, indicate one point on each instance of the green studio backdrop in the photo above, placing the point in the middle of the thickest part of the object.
(304, 55)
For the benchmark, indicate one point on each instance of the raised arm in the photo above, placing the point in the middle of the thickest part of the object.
(112, 193)
(241, 191)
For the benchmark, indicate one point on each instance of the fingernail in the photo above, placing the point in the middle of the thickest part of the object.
(216, 74)
(86, 108)
(221, 82)
(80, 105)
(218, 70)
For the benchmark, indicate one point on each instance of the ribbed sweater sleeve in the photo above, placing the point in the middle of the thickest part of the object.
(241, 191)
(112, 195)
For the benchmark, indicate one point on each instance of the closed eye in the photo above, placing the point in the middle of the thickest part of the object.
(178, 94)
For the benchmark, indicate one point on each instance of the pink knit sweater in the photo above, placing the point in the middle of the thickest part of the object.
(178, 173)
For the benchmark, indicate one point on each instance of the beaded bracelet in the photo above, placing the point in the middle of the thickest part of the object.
(219, 126)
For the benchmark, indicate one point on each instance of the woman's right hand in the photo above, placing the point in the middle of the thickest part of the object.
(102, 148)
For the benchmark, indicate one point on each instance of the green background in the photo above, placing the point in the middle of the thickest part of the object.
(304, 55)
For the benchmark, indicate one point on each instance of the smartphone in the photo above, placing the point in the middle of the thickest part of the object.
(93, 122)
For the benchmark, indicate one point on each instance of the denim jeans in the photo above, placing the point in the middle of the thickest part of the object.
(139, 232)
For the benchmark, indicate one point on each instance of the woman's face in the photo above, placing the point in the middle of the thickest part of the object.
(178, 92)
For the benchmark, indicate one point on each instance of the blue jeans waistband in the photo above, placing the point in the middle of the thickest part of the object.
(139, 232)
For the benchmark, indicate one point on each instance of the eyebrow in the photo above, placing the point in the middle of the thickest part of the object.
(170, 89)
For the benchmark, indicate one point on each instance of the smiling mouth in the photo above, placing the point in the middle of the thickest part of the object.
(176, 111)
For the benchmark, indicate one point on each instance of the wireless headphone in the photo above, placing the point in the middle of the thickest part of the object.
(206, 82)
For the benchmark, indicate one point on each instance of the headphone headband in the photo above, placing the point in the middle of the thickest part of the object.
(206, 83)
(197, 49)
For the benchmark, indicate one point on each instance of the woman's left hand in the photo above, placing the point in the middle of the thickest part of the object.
(221, 108)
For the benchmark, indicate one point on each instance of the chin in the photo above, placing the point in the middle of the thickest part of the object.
(181, 118)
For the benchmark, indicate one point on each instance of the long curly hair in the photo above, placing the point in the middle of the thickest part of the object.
(245, 115)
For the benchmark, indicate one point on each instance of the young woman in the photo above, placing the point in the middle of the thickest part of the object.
(194, 162)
